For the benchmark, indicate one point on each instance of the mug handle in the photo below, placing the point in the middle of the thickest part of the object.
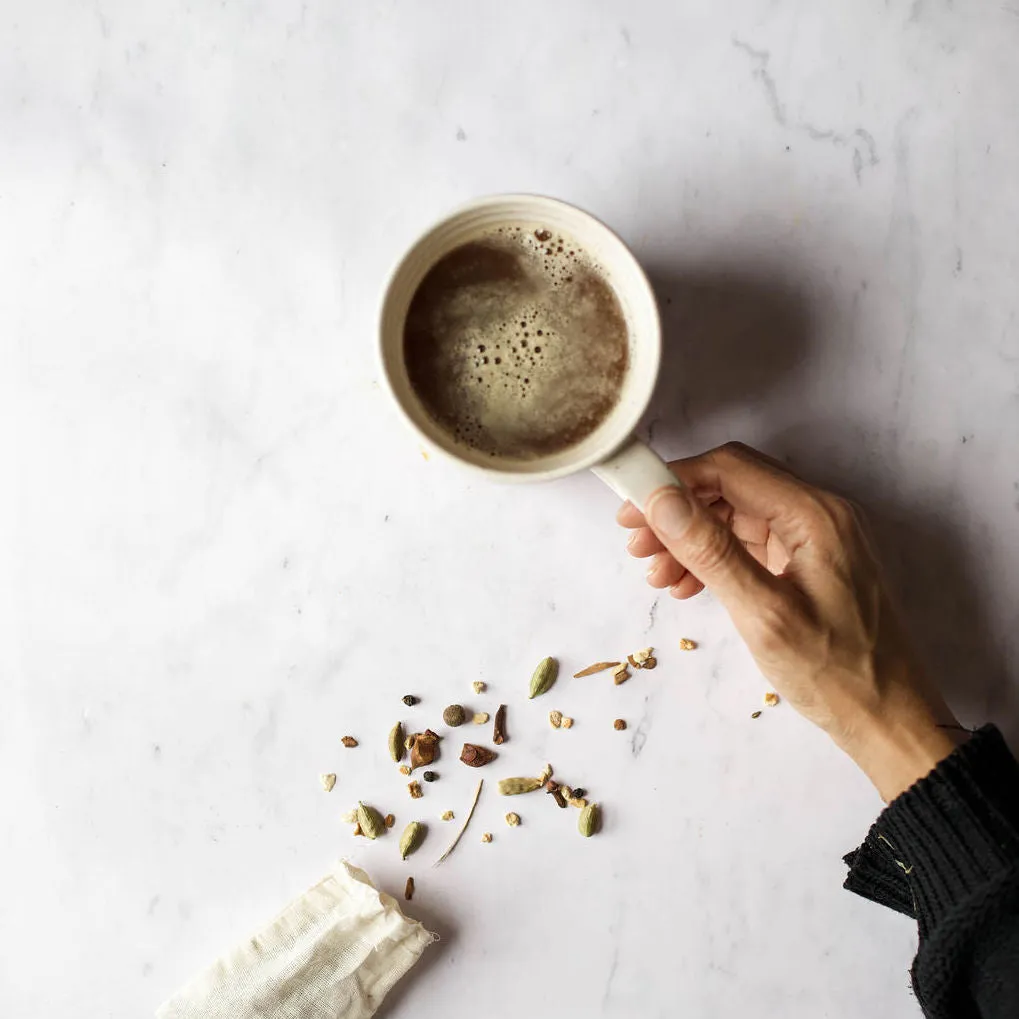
(634, 472)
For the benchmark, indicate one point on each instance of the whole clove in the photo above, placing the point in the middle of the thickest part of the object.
(552, 787)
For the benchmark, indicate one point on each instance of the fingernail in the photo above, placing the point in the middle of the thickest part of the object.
(632, 540)
(669, 512)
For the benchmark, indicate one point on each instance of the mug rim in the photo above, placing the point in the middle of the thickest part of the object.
(652, 350)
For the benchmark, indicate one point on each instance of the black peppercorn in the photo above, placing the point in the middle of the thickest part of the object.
(579, 794)
(410, 700)
(430, 776)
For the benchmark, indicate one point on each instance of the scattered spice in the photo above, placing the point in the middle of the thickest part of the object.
(650, 663)
(328, 781)
(755, 714)
(408, 892)
(480, 718)
(369, 820)
(643, 655)
(515, 786)
(389, 820)
(619, 724)
(770, 699)
(567, 722)
(404, 769)
(621, 674)
(512, 819)
(475, 756)
(350, 817)
(447, 815)
(463, 827)
(632, 661)
(423, 747)
(410, 700)
(686, 644)
(396, 747)
(412, 837)
(414, 788)
(555, 719)
(430, 776)
(454, 715)
(486, 836)
(544, 677)
(357, 829)
(589, 821)
(552, 788)
(479, 686)
(597, 667)
(579, 793)
(349, 741)
(546, 774)
(499, 726)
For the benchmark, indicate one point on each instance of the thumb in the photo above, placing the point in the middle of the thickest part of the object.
(708, 549)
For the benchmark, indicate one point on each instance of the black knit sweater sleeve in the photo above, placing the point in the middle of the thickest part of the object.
(946, 852)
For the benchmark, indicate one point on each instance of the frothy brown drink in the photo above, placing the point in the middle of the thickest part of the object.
(515, 344)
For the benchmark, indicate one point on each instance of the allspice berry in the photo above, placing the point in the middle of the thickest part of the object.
(454, 715)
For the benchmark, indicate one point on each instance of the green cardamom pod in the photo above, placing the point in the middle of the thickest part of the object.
(370, 821)
(590, 820)
(412, 837)
(396, 746)
(544, 677)
(514, 786)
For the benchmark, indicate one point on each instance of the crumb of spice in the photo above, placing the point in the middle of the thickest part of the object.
(328, 781)
(686, 644)
(349, 741)
(414, 788)
(512, 819)
(770, 699)
(567, 722)
(404, 769)
(619, 724)
(480, 718)
(486, 837)
(479, 686)
(447, 815)
(390, 820)
(555, 719)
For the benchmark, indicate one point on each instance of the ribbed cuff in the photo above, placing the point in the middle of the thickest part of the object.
(957, 829)
(874, 875)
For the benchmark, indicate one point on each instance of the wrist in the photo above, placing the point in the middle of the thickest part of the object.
(896, 752)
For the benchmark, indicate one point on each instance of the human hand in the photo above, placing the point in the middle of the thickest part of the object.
(793, 566)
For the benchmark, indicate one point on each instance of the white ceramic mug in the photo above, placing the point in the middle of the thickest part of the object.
(612, 451)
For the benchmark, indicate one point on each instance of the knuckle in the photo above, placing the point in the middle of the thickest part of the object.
(731, 451)
(841, 512)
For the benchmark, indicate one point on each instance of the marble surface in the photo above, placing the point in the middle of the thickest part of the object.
(222, 551)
